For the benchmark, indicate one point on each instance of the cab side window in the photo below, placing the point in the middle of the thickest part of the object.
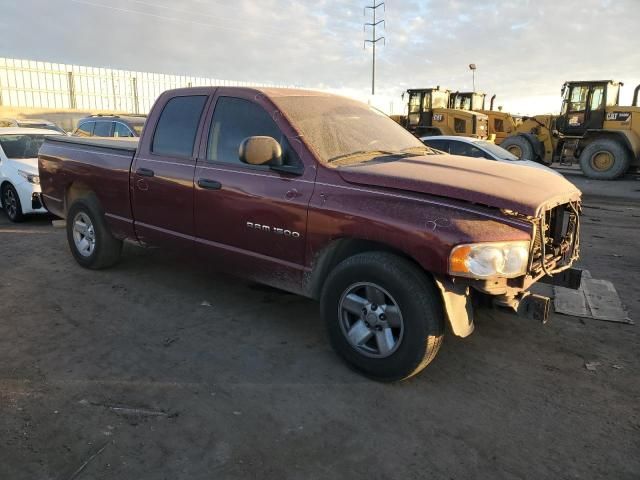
(597, 97)
(178, 125)
(234, 120)
(85, 129)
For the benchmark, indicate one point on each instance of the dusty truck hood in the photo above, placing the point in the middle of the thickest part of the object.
(522, 189)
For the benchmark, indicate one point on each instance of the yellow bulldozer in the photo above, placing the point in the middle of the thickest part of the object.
(429, 114)
(500, 124)
(592, 130)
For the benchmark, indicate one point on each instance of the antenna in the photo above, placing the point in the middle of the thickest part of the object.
(374, 7)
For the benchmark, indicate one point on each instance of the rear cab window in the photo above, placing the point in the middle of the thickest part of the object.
(177, 126)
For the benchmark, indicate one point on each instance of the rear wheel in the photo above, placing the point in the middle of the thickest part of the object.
(11, 203)
(90, 240)
(519, 146)
(604, 159)
(383, 314)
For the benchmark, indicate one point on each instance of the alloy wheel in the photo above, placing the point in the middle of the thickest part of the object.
(370, 320)
(84, 235)
(10, 203)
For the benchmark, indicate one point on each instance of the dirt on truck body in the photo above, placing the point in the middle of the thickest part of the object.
(325, 197)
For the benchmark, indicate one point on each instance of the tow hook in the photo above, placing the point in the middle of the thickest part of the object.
(527, 305)
(534, 307)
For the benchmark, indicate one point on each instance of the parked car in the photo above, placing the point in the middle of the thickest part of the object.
(325, 197)
(110, 126)
(30, 123)
(19, 180)
(472, 147)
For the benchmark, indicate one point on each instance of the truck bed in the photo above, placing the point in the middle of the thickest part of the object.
(102, 165)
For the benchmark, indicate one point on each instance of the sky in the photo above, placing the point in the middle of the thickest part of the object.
(524, 50)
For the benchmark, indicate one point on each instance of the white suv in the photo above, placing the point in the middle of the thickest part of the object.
(19, 180)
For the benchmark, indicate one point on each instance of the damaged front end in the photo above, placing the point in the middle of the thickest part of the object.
(554, 248)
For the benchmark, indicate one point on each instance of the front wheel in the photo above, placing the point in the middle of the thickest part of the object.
(11, 203)
(90, 240)
(383, 314)
(519, 146)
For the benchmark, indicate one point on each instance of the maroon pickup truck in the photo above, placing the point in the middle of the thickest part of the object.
(325, 197)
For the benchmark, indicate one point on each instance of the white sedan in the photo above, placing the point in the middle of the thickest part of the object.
(19, 180)
(472, 147)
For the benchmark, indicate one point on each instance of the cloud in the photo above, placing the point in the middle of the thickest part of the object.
(524, 49)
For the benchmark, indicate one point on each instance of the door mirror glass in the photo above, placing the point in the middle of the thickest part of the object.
(260, 150)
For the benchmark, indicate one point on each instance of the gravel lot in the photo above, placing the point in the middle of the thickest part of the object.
(160, 369)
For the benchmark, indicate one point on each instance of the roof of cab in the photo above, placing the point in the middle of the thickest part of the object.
(268, 91)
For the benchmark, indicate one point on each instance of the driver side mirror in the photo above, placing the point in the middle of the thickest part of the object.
(260, 150)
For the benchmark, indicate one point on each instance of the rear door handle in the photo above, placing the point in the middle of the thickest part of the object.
(209, 184)
(145, 172)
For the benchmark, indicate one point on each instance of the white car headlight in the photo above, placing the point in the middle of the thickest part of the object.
(495, 259)
(31, 178)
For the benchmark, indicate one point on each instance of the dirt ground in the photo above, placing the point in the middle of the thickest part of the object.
(160, 370)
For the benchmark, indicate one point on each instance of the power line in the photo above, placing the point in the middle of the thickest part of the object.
(373, 41)
(173, 19)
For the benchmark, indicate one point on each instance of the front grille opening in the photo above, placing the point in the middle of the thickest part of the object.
(557, 241)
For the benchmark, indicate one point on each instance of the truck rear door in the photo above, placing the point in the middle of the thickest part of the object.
(162, 173)
(251, 219)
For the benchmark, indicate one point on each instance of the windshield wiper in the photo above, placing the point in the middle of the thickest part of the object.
(419, 150)
(362, 153)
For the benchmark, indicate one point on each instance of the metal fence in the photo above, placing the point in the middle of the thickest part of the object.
(34, 84)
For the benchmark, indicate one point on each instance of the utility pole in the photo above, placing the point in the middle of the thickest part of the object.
(374, 7)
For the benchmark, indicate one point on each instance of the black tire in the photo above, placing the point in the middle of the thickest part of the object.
(107, 249)
(416, 296)
(615, 167)
(11, 203)
(520, 147)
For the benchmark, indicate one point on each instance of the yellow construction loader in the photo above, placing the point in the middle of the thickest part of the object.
(429, 114)
(500, 124)
(592, 130)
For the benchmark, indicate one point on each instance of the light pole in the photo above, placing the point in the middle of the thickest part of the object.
(472, 67)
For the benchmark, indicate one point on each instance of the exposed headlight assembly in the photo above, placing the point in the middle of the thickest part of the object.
(495, 259)
(31, 178)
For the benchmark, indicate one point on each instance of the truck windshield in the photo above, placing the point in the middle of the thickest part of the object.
(337, 128)
(21, 146)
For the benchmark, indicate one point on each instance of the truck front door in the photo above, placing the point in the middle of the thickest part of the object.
(251, 219)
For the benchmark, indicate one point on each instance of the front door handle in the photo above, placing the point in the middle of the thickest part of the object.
(145, 172)
(209, 184)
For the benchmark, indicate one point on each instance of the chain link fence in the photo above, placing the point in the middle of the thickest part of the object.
(34, 84)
